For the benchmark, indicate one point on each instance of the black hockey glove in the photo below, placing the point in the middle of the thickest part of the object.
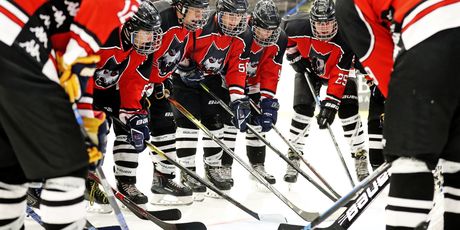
(190, 75)
(163, 90)
(298, 63)
(242, 112)
(269, 108)
(327, 113)
(139, 130)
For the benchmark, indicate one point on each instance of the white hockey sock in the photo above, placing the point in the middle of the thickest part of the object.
(410, 198)
(299, 123)
(451, 189)
(212, 151)
(13, 205)
(230, 133)
(186, 142)
(125, 157)
(62, 202)
(166, 143)
(252, 140)
(353, 133)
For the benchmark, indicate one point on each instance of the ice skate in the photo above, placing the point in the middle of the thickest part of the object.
(227, 174)
(97, 199)
(361, 164)
(198, 189)
(167, 192)
(215, 176)
(131, 192)
(291, 173)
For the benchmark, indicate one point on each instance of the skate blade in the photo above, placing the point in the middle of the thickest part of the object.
(99, 208)
(198, 196)
(170, 200)
(212, 194)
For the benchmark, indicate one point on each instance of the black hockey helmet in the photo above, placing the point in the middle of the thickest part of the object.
(265, 22)
(200, 8)
(144, 29)
(322, 19)
(236, 11)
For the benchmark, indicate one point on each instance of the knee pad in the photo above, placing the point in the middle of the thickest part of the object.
(304, 109)
(348, 110)
(212, 122)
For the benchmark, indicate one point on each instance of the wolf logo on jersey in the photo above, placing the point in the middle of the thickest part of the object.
(253, 63)
(213, 61)
(318, 61)
(110, 73)
(172, 57)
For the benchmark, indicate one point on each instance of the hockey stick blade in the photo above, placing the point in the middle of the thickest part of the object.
(334, 226)
(142, 212)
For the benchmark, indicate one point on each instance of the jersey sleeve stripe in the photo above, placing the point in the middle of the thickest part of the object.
(85, 37)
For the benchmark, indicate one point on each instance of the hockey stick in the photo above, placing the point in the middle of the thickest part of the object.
(339, 152)
(366, 191)
(160, 152)
(294, 149)
(308, 216)
(277, 151)
(142, 212)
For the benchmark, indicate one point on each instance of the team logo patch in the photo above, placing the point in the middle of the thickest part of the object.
(253, 63)
(168, 62)
(318, 61)
(213, 61)
(110, 73)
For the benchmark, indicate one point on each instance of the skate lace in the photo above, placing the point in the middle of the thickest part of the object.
(361, 162)
(192, 180)
(226, 173)
(96, 192)
(216, 173)
(131, 189)
(261, 170)
(291, 170)
(174, 185)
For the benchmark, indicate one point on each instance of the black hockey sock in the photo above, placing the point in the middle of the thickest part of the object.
(256, 155)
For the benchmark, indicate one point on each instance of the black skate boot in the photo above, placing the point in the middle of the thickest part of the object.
(130, 190)
(214, 175)
(167, 192)
(98, 201)
(291, 173)
(361, 164)
(198, 188)
(260, 168)
(227, 174)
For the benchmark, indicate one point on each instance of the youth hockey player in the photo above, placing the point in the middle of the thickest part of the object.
(42, 140)
(182, 18)
(416, 43)
(315, 49)
(223, 44)
(263, 72)
(119, 84)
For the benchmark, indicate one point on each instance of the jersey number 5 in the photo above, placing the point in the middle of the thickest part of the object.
(242, 68)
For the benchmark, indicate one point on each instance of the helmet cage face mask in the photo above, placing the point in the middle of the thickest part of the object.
(232, 24)
(265, 37)
(199, 17)
(324, 30)
(146, 42)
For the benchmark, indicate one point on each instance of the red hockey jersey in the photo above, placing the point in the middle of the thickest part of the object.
(264, 67)
(216, 53)
(408, 22)
(330, 60)
(172, 50)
